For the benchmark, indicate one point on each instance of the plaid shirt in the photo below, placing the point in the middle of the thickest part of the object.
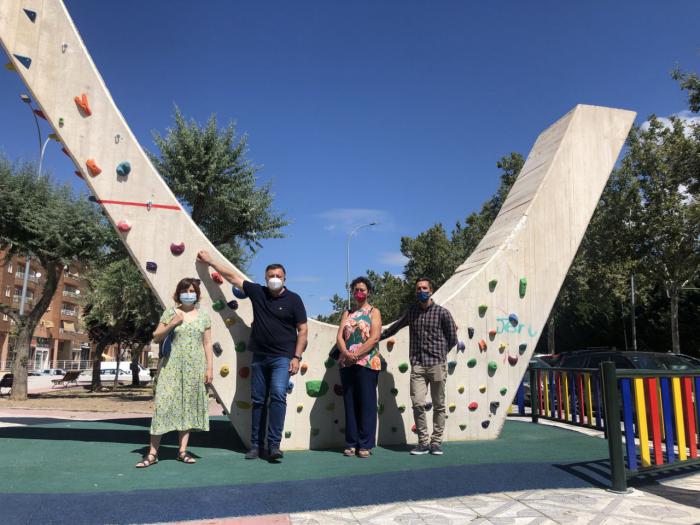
(432, 333)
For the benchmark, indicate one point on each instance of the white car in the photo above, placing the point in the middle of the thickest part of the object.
(108, 370)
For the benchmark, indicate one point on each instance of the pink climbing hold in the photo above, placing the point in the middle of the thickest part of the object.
(512, 360)
(482, 345)
(177, 249)
(123, 226)
(473, 406)
(216, 277)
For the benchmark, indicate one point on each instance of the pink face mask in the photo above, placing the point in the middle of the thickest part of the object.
(360, 296)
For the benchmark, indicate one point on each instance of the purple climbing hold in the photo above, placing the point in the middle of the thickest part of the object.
(30, 14)
(461, 346)
(428, 406)
(240, 294)
(177, 249)
(216, 348)
(512, 360)
(485, 424)
(233, 305)
(25, 61)
(151, 266)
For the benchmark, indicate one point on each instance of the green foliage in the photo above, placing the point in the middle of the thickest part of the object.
(689, 82)
(207, 169)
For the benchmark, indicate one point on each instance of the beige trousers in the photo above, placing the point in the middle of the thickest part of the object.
(435, 376)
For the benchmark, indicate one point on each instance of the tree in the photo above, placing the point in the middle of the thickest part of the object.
(207, 169)
(119, 309)
(689, 82)
(52, 225)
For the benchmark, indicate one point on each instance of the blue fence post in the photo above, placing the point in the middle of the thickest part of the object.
(629, 428)
(668, 419)
(521, 398)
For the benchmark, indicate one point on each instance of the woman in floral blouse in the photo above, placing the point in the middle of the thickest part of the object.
(358, 338)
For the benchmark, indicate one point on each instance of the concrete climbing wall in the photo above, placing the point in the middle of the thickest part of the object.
(500, 297)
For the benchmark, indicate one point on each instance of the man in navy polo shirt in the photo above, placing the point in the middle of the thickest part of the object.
(277, 341)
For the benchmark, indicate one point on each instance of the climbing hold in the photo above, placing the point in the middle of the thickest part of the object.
(492, 367)
(177, 249)
(492, 284)
(512, 360)
(82, 103)
(92, 198)
(40, 114)
(513, 319)
(233, 304)
(472, 362)
(94, 169)
(25, 61)
(218, 305)
(522, 347)
(451, 365)
(224, 370)
(485, 424)
(462, 426)
(300, 407)
(216, 277)
(482, 310)
(216, 348)
(330, 407)
(492, 334)
(394, 391)
(394, 429)
(452, 407)
(10, 66)
(244, 372)
(315, 431)
(329, 362)
(151, 266)
(402, 408)
(290, 386)
(64, 46)
(149, 205)
(460, 389)
(522, 287)
(503, 391)
(502, 347)
(414, 429)
(482, 346)
(117, 138)
(403, 367)
(473, 406)
(482, 388)
(461, 346)
(78, 174)
(123, 169)
(380, 408)
(470, 332)
(30, 14)
(338, 389)
(304, 368)
(60, 122)
(240, 346)
(240, 294)
(428, 406)
(243, 405)
(123, 226)
(316, 388)
(390, 344)
(287, 434)
(65, 152)
(230, 321)
(53, 136)
(494, 405)
(335, 421)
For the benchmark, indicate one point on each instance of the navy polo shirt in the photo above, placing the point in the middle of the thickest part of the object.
(275, 320)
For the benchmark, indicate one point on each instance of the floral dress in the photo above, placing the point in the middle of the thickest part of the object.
(181, 401)
(355, 333)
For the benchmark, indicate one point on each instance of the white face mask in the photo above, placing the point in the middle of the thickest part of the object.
(275, 283)
(188, 298)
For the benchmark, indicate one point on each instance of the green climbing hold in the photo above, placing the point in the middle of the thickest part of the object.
(394, 391)
(492, 366)
(492, 284)
(522, 287)
(504, 391)
(380, 408)
(403, 367)
(462, 426)
(471, 363)
(288, 434)
(316, 388)
(402, 408)
(315, 431)
(240, 346)
(218, 305)
(329, 362)
(482, 310)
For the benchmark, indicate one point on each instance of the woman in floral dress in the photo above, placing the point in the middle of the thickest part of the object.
(181, 400)
(358, 338)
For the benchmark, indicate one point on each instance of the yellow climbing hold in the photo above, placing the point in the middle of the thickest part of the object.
(460, 389)
(482, 388)
(230, 321)
(502, 347)
(224, 370)
(300, 407)
(452, 407)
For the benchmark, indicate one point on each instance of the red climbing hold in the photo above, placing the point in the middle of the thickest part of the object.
(65, 151)
(216, 277)
(482, 345)
(473, 405)
(78, 174)
(95, 170)
(414, 429)
(123, 226)
(244, 372)
(82, 103)
(40, 114)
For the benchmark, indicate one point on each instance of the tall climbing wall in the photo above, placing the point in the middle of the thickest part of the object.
(500, 297)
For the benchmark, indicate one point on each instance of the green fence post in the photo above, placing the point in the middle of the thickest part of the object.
(534, 406)
(618, 477)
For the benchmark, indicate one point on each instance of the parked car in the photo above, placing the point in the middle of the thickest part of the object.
(626, 360)
(53, 372)
(536, 361)
(108, 371)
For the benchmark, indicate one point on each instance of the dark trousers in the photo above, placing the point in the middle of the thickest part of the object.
(360, 400)
(269, 380)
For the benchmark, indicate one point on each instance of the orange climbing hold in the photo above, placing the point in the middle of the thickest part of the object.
(95, 170)
(482, 345)
(82, 103)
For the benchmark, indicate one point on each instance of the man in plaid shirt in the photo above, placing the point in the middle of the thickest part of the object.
(432, 333)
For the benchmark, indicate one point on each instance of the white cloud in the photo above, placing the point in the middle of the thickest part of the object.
(393, 258)
(689, 119)
(346, 219)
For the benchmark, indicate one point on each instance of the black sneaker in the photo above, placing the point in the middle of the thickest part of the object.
(253, 453)
(420, 450)
(436, 449)
(275, 454)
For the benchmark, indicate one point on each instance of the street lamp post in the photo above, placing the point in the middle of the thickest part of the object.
(347, 254)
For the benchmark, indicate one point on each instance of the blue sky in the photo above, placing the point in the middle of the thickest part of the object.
(359, 111)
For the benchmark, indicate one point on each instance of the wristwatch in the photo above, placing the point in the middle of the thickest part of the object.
(297, 357)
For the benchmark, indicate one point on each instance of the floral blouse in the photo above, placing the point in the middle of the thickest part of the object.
(355, 332)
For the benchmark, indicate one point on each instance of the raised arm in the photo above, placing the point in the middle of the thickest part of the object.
(235, 279)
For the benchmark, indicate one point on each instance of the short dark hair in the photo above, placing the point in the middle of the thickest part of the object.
(428, 280)
(275, 266)
(364, 281)
(184, 284)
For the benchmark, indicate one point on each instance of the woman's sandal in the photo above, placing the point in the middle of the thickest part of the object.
(349, 452)
(364, 453)
(186, 458)
(146, 461)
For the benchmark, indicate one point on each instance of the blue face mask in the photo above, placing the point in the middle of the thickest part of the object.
(188, 298)
(422, 296)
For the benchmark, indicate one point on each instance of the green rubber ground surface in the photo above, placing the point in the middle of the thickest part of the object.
(94, 456)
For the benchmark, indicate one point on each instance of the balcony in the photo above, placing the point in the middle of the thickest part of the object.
(32, 277)
(72, 294)
(70, 313)
(28, 300)
(72, 276)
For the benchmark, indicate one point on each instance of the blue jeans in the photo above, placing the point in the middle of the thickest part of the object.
(269, 380)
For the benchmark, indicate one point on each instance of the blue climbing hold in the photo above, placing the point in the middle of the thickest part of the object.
(151, 266)
(124, 169)
(513, 319)
(25, 61)
(522, 347)
(290, 387)
(240, 294)
(31, 15)
(92, 198)
(233, 305)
